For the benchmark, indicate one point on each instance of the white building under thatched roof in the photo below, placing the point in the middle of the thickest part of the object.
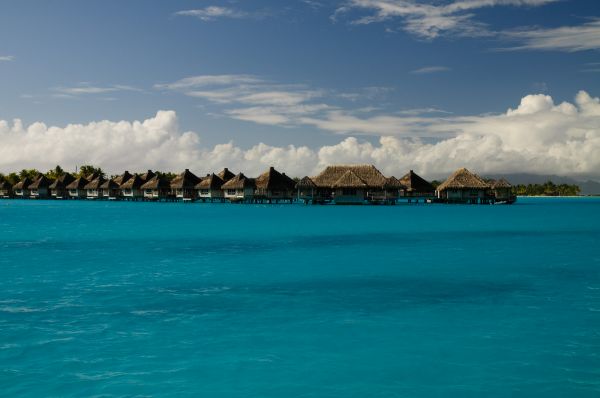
(239, 188)
(463, 185)
(58, 188)
(39, 188)
(350, 183)
(210, 187)
(274, 185)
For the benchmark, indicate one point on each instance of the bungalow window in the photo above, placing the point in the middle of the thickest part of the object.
(127, 192)
(231, 192)
(204, 192)
(349, 192)
(73, 191)
(148, 192)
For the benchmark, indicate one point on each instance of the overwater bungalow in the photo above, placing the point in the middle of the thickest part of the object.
(58, 188)
(415, 185)
(76, 188)
(393, 188)
(239, 188)
(147, 176)
(463, 187)
(502, 191)
(225, 174)
(21, 188)
(157, 188)
(209, 188)
(306, 190)
(346, 184)
(132, 188)
(6, 191)
(94, 187)
(40, 188)
(274, 186)
(184, 185)
(110, 189)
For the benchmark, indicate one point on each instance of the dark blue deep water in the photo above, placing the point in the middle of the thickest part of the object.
(199, 300)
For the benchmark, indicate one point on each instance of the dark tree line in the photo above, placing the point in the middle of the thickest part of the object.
(546, 189)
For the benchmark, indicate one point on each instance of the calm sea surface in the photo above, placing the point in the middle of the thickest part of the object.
(200, 300)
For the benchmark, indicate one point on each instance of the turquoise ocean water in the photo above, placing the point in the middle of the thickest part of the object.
(215, 300)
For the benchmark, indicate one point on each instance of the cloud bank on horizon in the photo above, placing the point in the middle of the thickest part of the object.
(537, 136)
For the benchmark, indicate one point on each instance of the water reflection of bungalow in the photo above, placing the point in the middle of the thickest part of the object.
(239, 188)
(274, 186)
(463, 187)
(39, 189)
(58, 189)
(93, 189)
(21, 188)
(157, 188)
(209, 188)
(184, 185)
(6, 191)
(76, 188)
(415, 185)
(502, 191)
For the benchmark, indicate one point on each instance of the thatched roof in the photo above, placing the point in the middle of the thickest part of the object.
(463, 179)
(62, 181)
(393, 182)
(156, 182)
(40, 182)
(122, 178)
(95, 183)
(24, 183)
(187, 179)
(147, 176)
(240, 181)
(349, 180)
(225, 174)
(274, 181)
(367, 173)
(415, 183)
(110, 184)
(306, 182)
(78, 183)
(135, 182)
(501, 183)
(211, 181)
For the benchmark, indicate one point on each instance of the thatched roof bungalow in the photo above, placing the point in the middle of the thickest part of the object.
(132, 188)
(5, 189)
(58, 188)
(183, 186)
(415, 185)
(274, 185)
(463, 186)
(157, 188)
(110, 189)
(40, 187)
(77, 187)
(210, 187)
(21, 188)
(239, 188)
(94, 187)
(350, 183)
(306, 189)
(502, 190)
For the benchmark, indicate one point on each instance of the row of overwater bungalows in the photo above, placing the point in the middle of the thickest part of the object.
(340, 184)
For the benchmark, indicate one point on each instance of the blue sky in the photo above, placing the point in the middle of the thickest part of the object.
(303, 73)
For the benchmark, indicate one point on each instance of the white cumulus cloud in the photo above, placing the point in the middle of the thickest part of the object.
(536, 136)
